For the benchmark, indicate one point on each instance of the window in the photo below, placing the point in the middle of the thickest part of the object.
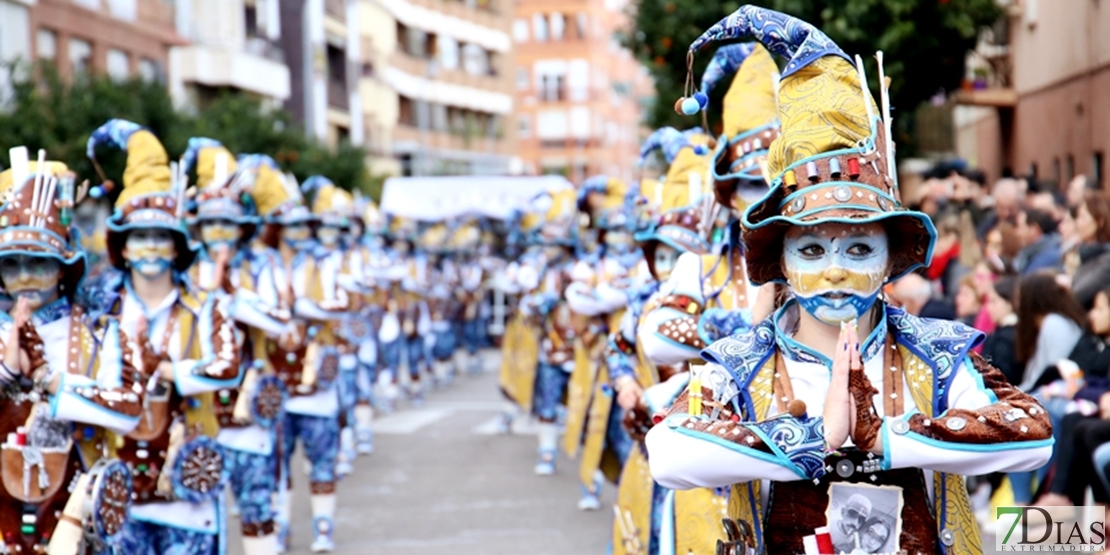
(552, 88)
(250, 18)
(119, 64)
(415, 42)
(524, 126)
(578, 80)
(448, 53)
(580, 122)
(148, 70)
(1071, 167)
(520, 30)
(551, 125)
(1097, 169)
(439, 117)
(522, 79)
(557, 26)
(1057, 172)
(475, 60)
(539, 27)
(80, 55)
(582, 26)
(406, 111)
(46, 44)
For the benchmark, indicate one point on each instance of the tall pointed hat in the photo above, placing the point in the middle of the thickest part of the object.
(834, 161)
(602, 198)
(330, 204)
(153, 193)
(221, 185)
(276, 195)
(36, 206)
(750, 118)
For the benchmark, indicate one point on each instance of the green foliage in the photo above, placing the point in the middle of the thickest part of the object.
(47, 112)
(924, 43)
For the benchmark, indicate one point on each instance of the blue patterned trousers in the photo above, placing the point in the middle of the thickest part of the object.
(320, 437)
(471, 333)
(444, 346)
(144, 538)
(349, 392)
(551, 384)
(416, 358)
(253, 482)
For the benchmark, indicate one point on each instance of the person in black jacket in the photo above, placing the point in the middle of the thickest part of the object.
(998, 348)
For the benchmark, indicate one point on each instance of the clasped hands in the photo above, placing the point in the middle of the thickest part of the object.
(24, 352)
(848, 403)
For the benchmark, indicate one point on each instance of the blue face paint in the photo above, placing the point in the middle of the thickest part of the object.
(836, 270)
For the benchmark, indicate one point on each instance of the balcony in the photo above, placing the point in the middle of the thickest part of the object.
(252, 69)
(336, 9)
(418, 67)
(409, 138)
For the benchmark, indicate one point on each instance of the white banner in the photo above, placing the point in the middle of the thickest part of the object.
(439, 198)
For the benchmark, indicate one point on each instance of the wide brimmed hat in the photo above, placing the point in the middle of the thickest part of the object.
(330, 204)
(750, 117)
(221, 186)
(834, 161)
(153, 194)
(36, 208)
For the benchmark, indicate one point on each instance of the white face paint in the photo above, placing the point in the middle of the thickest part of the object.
(618, 242)
(836, 270)
(664, 261)
(150, 251)
(297, 236)
(328, 235)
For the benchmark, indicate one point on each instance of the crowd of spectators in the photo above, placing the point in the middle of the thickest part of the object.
(1027, 262)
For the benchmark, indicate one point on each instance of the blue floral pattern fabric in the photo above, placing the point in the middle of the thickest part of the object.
(551, 382)
(253, 482)
(668, 139)
(144, 538)
(320, 438)
(192, 150)
(787, 36)
(114, 132)
(801, 440)
(725, 62)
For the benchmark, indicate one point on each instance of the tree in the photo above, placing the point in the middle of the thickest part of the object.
(924, 43)
(45, 111)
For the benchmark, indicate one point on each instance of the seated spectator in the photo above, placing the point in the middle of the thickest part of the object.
(1040, 243)
(998, 349)
(968, 301)
(1092, 226)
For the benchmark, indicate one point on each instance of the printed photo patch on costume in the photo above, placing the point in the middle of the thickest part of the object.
(865, 518)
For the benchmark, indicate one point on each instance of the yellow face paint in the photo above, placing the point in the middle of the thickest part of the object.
(836, 270)
(213, 233)
(35, 278)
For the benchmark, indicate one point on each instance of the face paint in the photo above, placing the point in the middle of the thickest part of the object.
(35, 278)
(296, 236)
(618, 241)
(150, 251)
(664, 261)
(401, 247)
(836, 270)
(328, 236)
(216, 233)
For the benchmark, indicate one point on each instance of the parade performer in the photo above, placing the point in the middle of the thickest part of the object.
(61, 372)
(307, 358)
(332, 208)
(188, 351)
(439, 292)
(364, 326)
(386, 269)
(470, 294)
(715, 285)
(598, 295)
(410, 305)
(541, 356)
(646, 515)
(788, 410)
(248, 415)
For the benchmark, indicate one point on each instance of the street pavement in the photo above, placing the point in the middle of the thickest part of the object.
(440, 481)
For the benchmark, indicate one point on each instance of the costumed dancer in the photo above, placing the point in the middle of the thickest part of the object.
(710, 294)
(72, 384)
(307, 358)
(442, 277)
(226, 223)
(787, 412)
(410, 305)
(387, 268)
(542, 358)
(332, 208)
(364, 327)
(647, 515)
(598, 295)
(470, 294)
(520, 338)
(188, 350)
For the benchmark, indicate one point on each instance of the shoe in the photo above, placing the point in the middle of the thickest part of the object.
(546, 464)
(282, 537)
(589, 502)
(365, 442)
(323, 542)
(505, 424)
(344, 468)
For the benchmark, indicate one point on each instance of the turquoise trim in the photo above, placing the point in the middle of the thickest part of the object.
(884, 431)
(57, 397)
(978, 447)
(746, 451)
(667, 526)
(868, 146)
(833, 184)
(798, 217)
(779, 453)
(979, 380)
(751, 133)
(55, 401)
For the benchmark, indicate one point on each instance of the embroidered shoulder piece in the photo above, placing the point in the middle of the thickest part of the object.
(942, 343)
(744, 354)
(801, 440)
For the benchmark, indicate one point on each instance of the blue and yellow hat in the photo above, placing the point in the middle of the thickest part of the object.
(330, 204)
(834, 161)
(276, 195)
(153, 194)
(221, 185)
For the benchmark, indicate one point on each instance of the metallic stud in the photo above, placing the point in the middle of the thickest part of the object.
(956, 423)
(884, 204)
(947, 537)
(798, 204)
(842, 193)
(845, 468)
(900, 427)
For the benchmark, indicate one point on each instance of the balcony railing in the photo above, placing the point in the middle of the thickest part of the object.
(265, 48)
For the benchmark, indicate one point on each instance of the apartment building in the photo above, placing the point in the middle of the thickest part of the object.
(580, 95)
(437, 86)
(233, 47)
(118, 37)
(1035, 98)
